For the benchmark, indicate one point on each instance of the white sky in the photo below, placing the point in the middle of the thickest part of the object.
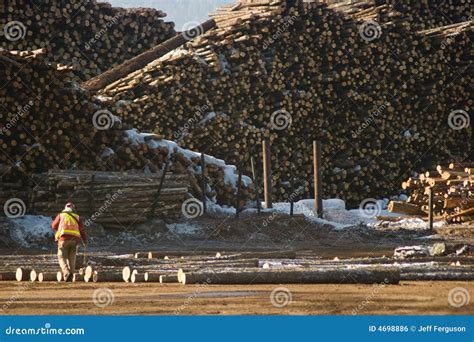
(179, 11)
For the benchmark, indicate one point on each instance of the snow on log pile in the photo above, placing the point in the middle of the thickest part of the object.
(48, 123)
(380, 85)
(89, 35)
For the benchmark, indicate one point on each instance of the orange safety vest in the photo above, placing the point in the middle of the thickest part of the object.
(68, 225)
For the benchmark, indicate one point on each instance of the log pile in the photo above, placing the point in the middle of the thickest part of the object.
(357, 76)
(48, 123)
(112, 199)
(90, 36)
(453, 193)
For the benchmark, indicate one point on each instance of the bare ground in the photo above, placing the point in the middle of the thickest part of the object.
(408, 298)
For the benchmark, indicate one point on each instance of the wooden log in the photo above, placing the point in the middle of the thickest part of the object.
(404, 208)
(33, 275)
(152, 277)
(23, 274)
(101, 276)
(168, 278)
(334, 276)
(88, 273)
(137, 278)
(49, 276)
(7, 276)
(77, 277)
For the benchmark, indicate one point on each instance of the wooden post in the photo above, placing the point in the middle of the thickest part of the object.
(239, 180)
(430, 207)
(255, 182)
(267, 173)
(91, 196)
(204, 185)
(292, 190)
(318, 187)
(158, 192)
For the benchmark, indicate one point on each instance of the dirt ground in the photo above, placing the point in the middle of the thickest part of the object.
(408, 298)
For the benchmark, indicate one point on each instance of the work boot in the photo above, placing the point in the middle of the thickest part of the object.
(68, 278)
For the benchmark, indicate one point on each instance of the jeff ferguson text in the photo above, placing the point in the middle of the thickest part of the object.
(418, 329)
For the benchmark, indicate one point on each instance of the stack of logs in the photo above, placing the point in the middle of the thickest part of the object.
(453, 193)
(112, 199)
(47, 122)
(358, 76)
(257, 267)
(90, 36)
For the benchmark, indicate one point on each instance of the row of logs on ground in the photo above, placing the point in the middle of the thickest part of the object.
(245, 268)
(47, 122)
(90, 36)
(375, 83)
(453, 193)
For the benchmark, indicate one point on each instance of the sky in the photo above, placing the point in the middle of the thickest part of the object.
(179, 11)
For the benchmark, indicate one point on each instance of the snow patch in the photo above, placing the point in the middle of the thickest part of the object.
(184, 228)
(30, 230)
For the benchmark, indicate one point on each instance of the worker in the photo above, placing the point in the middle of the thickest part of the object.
(69, 231)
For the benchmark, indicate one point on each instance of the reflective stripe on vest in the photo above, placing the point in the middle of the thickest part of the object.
(68, 225)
